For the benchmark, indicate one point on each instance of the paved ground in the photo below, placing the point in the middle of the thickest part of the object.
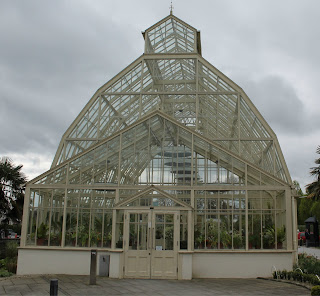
(78, 285)
(310, 251)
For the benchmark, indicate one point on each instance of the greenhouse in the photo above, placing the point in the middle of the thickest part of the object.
(169, 171)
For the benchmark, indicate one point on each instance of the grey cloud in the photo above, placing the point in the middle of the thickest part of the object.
(52, 61)
(55, 54)
(279, 103)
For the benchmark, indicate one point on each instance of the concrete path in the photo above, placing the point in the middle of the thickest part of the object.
(309, 251)
(78, 285)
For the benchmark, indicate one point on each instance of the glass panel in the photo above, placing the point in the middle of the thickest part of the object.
(107, 229)
(212, 231)
(71, 226)
(254, 228)
(225, 231)
(83, 228)
(170, 36)
(184, 230)
(42, 232)
(31, 237)
(164, 231)
(199, 229)
(138, 231)
(56, 226)
(238, 233)
(119, 229)
(96, 228)
(269, 238)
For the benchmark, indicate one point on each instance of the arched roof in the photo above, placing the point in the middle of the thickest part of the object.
(174, 78)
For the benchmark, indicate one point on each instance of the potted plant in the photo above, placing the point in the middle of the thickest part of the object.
(107, 237)
(269, 238)
(281, 236)
(212, 236)
(237, 241)
(225, 239)
(199, 241)
(254, 241)
(55, 239)
(42, 235)
(83, 236)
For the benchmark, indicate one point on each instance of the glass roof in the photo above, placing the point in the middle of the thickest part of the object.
(188, 89)
(170, 35)
(156, 151)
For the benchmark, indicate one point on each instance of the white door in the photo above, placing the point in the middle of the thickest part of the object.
(151, 244)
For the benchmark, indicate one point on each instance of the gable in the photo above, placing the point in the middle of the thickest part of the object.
(157, 151)
(152, 197)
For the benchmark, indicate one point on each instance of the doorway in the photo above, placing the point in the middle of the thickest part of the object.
(151, 239)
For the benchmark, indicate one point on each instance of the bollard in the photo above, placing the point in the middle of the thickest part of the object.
(54, 287)
(93, 267)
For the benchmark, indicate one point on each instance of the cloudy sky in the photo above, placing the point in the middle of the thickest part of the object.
(54, 55)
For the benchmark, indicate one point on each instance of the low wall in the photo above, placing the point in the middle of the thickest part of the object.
(43, 261)
(239, 265)
(62, 261)
(191, 264)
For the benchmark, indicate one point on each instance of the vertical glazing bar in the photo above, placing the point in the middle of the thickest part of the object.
(190, 230)
(289, 219)
(193, 171)
(64, 219)
(247, 210)
(26, 217)
(114, 225)
(239, 123)
(197, 96)
(119, 163)
(99, 118)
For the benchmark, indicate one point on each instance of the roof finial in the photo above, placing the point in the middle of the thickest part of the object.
(171, 8)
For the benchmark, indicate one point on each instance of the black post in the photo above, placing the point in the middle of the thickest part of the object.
(54, 287)
(93, 267)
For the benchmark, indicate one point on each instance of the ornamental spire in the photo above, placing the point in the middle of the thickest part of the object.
(171, 8)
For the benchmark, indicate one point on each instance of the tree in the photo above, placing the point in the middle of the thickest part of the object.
(315, 210)
(304, 210)
(313, 189)
(303, 204)
(297, 188)
(12, 186)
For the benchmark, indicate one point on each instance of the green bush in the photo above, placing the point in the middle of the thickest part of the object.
(12, 249)
(297, 276)
(309, 263)
(9, 264)
(315, 290)
(5, 273)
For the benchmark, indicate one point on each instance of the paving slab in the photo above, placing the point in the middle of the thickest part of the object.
(315, 252)
(79, 285)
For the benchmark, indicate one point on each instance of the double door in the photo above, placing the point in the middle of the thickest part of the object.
(151, 244)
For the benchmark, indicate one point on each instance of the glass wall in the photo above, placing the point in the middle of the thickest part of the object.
(223, 219)
(220, 219)
(88, 217)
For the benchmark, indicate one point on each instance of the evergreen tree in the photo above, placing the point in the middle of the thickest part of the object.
(12, 185)
(313, 189)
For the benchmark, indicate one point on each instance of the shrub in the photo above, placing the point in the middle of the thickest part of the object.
(12, 249)
(315, 290)
(283, 274)
(5, 273)
(309, 263)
